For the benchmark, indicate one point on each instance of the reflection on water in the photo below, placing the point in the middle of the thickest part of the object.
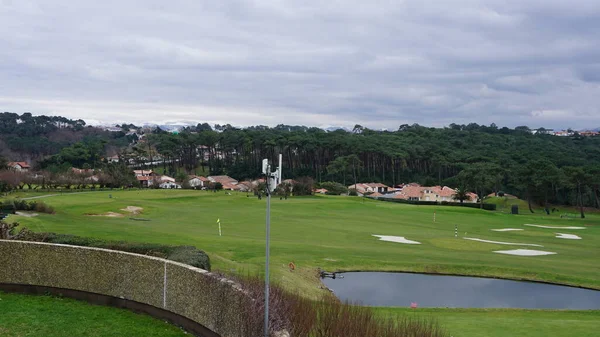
(400, 289)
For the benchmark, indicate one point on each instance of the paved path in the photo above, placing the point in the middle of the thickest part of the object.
(53, 195)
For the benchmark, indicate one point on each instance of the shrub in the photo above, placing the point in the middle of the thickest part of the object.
(303, 186)
(327, 317)
(24, 205)
(334, 188)
(352, 192)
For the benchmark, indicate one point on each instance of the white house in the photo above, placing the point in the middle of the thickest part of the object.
(169, 185)
(198, 182)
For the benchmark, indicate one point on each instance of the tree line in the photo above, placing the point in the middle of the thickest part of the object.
(540, 168)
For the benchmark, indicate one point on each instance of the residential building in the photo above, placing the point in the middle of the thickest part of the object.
(366, 188)
(416, 192)
(222, 180)
(20, 166)
(198, 182)
(144, 173)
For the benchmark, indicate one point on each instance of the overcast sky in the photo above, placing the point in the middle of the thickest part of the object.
(320, 63)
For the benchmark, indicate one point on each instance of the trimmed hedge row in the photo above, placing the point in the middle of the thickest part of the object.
(487, 207)
(189, 255)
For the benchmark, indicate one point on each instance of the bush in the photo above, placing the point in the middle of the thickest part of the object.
(24, 205)
(303, 186)
(352, 192)
(184, 254)
(334, 188)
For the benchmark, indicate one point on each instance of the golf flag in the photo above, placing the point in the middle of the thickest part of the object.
(413, 305)
(219, 222)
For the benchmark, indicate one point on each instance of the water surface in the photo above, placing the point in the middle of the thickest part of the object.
(430, 291)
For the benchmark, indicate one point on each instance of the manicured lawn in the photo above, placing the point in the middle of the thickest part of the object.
(25, 315)
(509, 323)
(335, 233)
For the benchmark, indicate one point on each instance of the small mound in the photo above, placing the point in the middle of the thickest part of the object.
(133, 209)
(398, 239)
(524, 252)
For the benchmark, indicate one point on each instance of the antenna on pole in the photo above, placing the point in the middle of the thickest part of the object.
(272, 179)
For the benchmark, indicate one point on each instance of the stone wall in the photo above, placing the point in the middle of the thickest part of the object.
(193, 293)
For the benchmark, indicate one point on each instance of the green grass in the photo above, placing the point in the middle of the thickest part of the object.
(334, 233)
(25, 315)
(509, 323)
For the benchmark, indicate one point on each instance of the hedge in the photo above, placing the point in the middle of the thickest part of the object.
(189, 255)
(487, 207)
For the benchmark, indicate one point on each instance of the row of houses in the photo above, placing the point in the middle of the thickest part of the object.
(411, 192)
(148, 178)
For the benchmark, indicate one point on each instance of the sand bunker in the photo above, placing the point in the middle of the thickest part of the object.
(524, 252)
(568, 236)
(398, 239)
(555, 227)
(133, 209)
(504, 243)
(507, 229)
(108, 214)
(27, 214)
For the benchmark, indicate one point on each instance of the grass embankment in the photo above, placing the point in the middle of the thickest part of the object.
(508, 322)
(335, 233)
(26, 315)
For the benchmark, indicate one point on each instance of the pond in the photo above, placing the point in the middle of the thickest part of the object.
(439, 291)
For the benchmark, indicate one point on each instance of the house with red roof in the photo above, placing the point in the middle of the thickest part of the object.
(416, 192)
(20, 166)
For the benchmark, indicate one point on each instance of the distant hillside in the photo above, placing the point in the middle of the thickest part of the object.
(31, 138)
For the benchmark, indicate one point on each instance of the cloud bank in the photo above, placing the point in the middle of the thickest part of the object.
(245, 62)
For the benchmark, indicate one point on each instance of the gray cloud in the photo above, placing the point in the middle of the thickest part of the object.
(378, 63)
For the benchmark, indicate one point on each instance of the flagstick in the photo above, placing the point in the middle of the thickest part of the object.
(219, 222)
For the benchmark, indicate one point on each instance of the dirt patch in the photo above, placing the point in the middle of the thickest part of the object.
(133, 209)
(108, 214)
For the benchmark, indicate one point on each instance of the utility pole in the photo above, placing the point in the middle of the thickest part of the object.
(272, 179)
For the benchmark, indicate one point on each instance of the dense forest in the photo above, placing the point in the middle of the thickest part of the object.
(542, 168)
(539, 167)
(33, 138)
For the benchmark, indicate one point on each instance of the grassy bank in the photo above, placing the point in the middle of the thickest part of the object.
(508, 323)
(26, 315)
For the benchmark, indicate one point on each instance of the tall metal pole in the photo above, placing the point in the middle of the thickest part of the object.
(267, 254)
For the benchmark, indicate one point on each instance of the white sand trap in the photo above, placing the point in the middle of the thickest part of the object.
(398, 239)
(568, 236)
(507, 229)
(555, 227)
(504, 243)
(27, 214)
(133, 209)
(524, 252)
(108, 214)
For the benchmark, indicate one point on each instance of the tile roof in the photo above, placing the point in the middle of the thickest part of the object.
(20, 163)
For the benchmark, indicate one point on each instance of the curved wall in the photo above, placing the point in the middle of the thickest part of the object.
(192, 293)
